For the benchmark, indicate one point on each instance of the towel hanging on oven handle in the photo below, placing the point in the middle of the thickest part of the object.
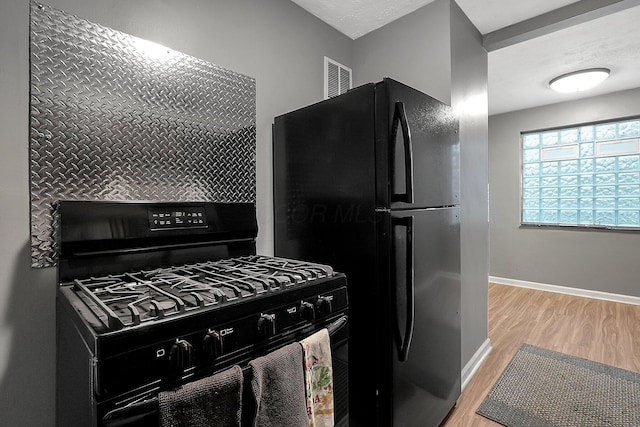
(144, 408)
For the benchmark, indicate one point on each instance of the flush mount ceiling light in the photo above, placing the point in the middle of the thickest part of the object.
(579, 80)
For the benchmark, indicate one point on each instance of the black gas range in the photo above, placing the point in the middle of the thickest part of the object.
(153, 295)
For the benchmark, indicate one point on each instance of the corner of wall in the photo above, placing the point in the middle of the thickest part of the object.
(414, 50)
(470, 100)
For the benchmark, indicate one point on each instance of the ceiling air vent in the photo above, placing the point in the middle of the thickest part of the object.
(337, 78)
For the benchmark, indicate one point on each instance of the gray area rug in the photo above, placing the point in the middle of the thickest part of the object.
(541, 388)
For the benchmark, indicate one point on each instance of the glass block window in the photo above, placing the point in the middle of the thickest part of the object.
(582, 176)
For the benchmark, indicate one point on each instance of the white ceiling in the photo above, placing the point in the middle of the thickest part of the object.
(519, 72)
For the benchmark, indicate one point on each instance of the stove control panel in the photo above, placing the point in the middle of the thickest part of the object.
(177, 217)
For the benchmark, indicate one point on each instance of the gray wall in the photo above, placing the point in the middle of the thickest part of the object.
(274, 41)
(437, 50)
(592, 260)
(469, 98)
(414, 50)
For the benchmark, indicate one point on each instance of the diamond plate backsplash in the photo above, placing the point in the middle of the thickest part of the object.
(116, 117)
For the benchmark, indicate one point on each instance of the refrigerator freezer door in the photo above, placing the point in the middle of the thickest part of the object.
(425, 301)
(324, 180)
(418, 137)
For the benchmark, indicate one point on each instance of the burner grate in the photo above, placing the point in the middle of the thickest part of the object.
(130, 299)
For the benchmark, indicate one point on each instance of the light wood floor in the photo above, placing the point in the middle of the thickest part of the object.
(602, 331)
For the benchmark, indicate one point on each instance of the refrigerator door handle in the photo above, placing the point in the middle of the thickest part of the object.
(404, 345)
(400, 118)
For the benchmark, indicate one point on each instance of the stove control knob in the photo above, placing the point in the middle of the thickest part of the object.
(267, 325)
(180, 355)
(307, 311)
(323, 305)
(212, 344)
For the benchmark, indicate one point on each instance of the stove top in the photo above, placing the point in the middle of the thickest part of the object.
(152, 295)
(133, 298)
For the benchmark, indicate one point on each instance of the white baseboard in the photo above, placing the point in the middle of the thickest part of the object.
(474, 363)
(626, 299)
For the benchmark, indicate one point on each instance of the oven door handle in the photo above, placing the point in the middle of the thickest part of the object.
(338, 324)
(130, 414)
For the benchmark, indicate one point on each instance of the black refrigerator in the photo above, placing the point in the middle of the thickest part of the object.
(368, 182)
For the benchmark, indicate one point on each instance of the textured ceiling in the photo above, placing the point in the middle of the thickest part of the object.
(491, 15)
(518, 74)
(356, 18)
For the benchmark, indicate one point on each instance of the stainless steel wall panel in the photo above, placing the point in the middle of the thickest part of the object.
(116, 117)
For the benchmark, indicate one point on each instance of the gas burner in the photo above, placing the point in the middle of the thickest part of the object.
(130, 299)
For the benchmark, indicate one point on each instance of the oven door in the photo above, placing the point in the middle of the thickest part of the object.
(143, 411)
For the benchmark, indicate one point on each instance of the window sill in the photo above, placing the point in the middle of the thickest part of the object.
(597, 228)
